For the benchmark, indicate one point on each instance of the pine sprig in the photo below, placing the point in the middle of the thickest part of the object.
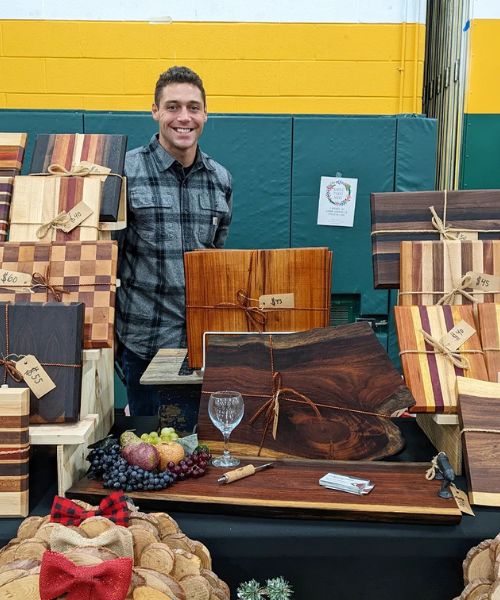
(275, 589)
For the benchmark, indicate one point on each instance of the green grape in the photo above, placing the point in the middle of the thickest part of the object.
(144, 437)
(167, 430)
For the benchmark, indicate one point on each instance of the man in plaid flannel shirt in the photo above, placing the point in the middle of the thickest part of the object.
(179, 199)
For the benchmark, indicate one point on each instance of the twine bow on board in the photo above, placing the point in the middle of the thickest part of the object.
(440, 224)
(43, 281)
(460, 288)
(453, 356)
(254, 314)
(58, 222)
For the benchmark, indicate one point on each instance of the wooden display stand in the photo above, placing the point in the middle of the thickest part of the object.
(444, 433)
(164, 369)
(98, 396)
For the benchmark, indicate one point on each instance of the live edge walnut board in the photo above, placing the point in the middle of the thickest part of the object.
(291, 489)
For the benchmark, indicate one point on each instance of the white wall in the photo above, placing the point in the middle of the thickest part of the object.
(485, 9)
(300, 11)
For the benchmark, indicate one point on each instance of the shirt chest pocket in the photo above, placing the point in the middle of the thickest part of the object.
(213, 208)
(152, 215)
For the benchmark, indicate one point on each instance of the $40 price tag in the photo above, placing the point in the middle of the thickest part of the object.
(35, 375)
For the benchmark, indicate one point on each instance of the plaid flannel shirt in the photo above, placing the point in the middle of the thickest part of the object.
(168, 214)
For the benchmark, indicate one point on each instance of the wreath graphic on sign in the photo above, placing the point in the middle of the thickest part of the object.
(332, 192)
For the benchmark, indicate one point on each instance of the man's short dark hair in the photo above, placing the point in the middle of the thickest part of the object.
(179, 75)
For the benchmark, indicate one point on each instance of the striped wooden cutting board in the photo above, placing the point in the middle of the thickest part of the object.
(489, 328)
(14, 452)
(430, 375)
(12, 147)
(479, 415)
(400, 216)
(431, 270)
(223, 289)
(38, 200)
(70, 149)
(6, 186)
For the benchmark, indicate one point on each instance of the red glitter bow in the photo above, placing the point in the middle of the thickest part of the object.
(109, 580)
(114, 507)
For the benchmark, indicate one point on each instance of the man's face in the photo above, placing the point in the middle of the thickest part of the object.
(181, 116)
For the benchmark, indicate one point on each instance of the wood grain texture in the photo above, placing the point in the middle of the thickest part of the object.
(70, 149)
(479, 408)
(343, 370)
(214, 278)
(12, 146)
(431, 269)
(291, 489)
(14, 452)
(38, 200)
(165, 366)
(407, 214)
(36, 329)
(430, 376)
(6, 189)
(445, 438)
(85, 270)
(489, 328)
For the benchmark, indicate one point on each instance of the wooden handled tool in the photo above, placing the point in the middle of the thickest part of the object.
(241, 473)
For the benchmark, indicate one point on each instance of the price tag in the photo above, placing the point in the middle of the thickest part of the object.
(35, 375)
(14, 279)
(483, 281)
(277, 301)
(77, 215)
(457, 336)
(94, 169)
(276, 418)
(462, 501)
(463, 236)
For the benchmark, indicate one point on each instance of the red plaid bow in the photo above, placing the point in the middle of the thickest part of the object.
(114, 507)
(109, 580)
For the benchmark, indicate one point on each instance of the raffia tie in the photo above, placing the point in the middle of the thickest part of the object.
(454, 357)
(43, 281)
(478, 430)
(255, 315)
(271, 407)
(430, 474)
(10, 369)
(75, 171)
(449, 297)
(58, 222)
(440, 224)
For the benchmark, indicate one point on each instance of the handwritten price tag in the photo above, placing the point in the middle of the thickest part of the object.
(94, 168)
(77, 215)
(457, 336)
(14, 279)
(464, 236)
(483, 281)
(35, 375)
(462, 501)
(277, 301)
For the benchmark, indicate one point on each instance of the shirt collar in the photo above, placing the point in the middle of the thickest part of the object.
(165, 160)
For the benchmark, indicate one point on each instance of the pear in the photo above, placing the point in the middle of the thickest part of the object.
(128, 437)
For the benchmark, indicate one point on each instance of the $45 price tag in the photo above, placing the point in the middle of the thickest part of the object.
(483, 282)
(35, 375)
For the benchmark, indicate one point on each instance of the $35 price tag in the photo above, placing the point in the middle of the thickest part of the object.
(35, 375)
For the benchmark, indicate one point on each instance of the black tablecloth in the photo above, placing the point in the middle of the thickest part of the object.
(323, 560)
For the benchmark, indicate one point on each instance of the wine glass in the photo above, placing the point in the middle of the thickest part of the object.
(226, 411)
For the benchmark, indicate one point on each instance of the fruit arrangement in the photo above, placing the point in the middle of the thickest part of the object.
(132, 464)
(167, 434)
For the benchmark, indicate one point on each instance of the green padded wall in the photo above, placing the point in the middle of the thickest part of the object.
(257, 151)
(416, 144)
(480, 152)
(358, 147)
(39, 121)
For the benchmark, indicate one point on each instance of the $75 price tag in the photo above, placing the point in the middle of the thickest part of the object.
(35, 376)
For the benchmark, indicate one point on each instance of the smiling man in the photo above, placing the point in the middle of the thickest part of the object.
(179, 199)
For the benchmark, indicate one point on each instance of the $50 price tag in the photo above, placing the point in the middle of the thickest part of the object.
(35, 375)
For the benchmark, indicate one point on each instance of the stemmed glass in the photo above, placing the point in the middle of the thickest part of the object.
(226, 410)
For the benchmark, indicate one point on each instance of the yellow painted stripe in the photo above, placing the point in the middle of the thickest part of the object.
(246, 67)
(483, 88)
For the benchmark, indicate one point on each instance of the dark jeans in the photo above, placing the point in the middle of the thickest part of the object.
(177, 405)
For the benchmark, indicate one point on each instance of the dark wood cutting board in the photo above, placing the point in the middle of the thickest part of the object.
(291, 489)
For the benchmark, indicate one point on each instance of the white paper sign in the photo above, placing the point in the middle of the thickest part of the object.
(337, 201)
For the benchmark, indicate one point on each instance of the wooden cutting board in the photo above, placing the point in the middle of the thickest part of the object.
(479, 408)
(430, 376)
(489, 328)
(429, 270)
(223, 288)
(399, 216)
(291, 489)
(343, 371)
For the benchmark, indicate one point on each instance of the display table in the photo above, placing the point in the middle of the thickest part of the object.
(323, 560)
(165, 366)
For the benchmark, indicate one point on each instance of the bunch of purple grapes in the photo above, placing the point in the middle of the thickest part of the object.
(193, 465)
